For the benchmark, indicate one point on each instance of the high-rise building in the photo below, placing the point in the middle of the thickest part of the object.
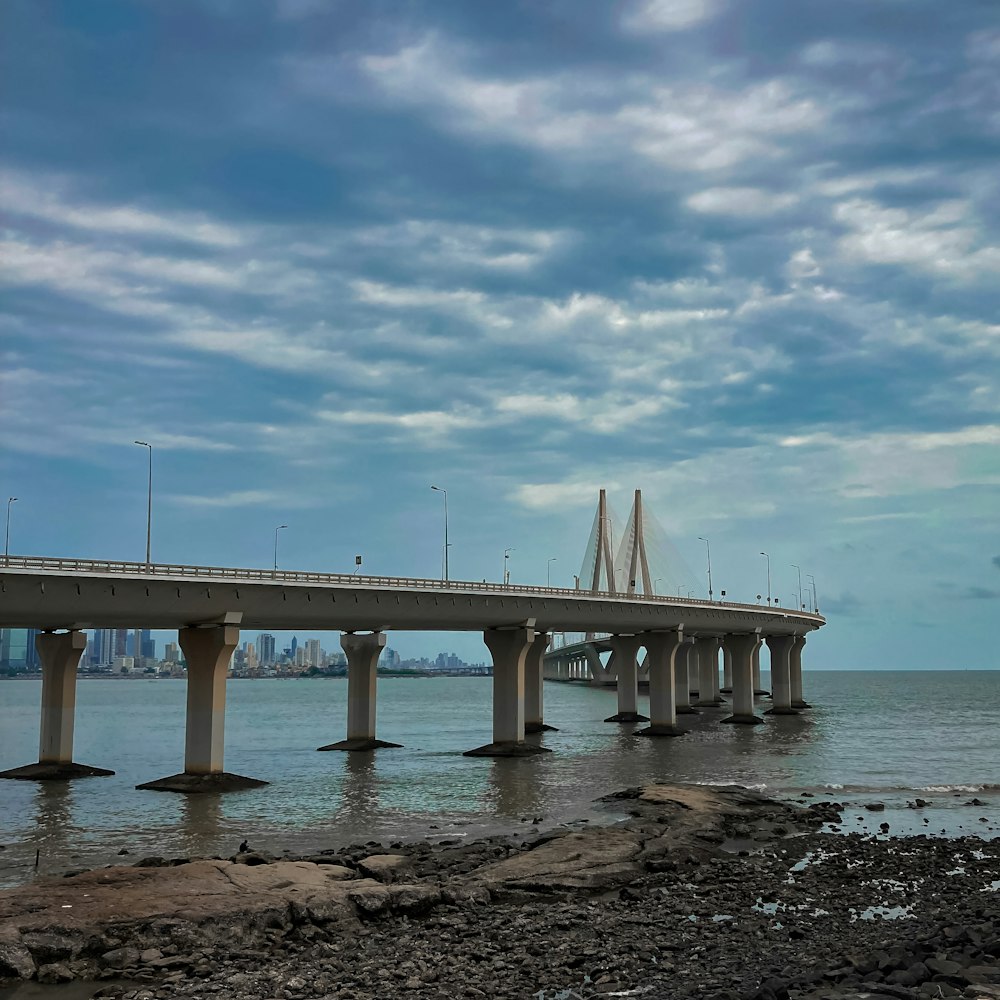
(119, 642)
(265, 649)
(314, 653)
(172, 653)
(147, 645)
(14, 648)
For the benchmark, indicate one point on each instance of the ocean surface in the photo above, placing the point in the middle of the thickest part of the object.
(870, 736)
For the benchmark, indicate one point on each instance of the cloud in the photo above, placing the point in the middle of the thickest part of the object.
(240, 498)
(996, 561)
(647, 16)
(46, 199)
(943, 240)
(979, 594)
(744, 202)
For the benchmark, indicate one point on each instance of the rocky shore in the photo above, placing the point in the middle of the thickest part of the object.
(708, 892)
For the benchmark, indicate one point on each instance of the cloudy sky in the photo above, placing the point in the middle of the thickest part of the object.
(323, 254)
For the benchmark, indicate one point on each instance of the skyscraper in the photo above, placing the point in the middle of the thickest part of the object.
(265, 649)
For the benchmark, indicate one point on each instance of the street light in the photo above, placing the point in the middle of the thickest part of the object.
(149, 498)
(768, 558)
(812, 580)
(709, 550)
(6, 537)
(440, 489)
(548, 571)
(655, 582)
(276, 530)
(506, 557)
(797, 570)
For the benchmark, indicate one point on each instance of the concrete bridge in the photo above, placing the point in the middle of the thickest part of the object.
(209, 605)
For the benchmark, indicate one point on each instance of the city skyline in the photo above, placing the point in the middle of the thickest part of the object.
(740, 257)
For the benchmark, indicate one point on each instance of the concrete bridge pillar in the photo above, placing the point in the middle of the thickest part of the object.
(661, 650)
(742, 648)
(625, 650)
(727, 671)
(60, 654)
(207, 651)
(683, 659)
(795, 672)
(707, 649)
(509, 649)
(781, 694)
(362, 651)
(534, 686)
(758, 688)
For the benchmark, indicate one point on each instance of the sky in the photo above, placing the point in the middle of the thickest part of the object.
(325, 254)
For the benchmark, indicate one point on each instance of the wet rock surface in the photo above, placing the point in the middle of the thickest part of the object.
(701, 892)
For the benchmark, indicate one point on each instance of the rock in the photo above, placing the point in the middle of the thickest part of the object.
(875, 807)
(55, 972)
(120, 958)
(15, 959)
(386, 867)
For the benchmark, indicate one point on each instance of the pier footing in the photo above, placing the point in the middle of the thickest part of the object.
(222, 781)
(661, 731)
(744, 720)
(627, 717)
(361, 743)
(539, 727)
(506, 749)
(782, 711)
(55, 772)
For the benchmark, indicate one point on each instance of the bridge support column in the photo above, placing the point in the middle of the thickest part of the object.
(781, 693)
(509, 649)
(661, 650)
(795, 673)
(707, 649)
(534, 686)
(207, 652)
(362, 653)
(683, 659)
(727, 671)
(625, 651)
(742, 648)
(60, 654)
(758, 688)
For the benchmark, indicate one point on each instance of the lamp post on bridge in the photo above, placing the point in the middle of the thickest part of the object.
(443, 491)
(149, 498)
(708, 548)
(812, 579)
(768, 558)
(655, 582)
(548, 571)
(797, 570)
(506, 559)
(6, 537)
(274, 572)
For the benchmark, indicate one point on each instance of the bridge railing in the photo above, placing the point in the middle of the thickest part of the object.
(47, 564)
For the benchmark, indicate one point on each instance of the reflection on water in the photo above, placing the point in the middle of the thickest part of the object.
(857, 735)
(514, 789)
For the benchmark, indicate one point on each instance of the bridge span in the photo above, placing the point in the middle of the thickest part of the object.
(209, 605)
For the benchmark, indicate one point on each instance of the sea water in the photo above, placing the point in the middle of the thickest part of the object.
(871, 736)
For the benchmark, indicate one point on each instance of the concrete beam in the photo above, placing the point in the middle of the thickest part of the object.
(625, 650)
(781, 695)
(683, 660)
(534, 686)
(362, 653)
(742, 648)
(207, 652)
(795, 673)
(509, 649)
(707, 649)
(60, 654)
(662, 649)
